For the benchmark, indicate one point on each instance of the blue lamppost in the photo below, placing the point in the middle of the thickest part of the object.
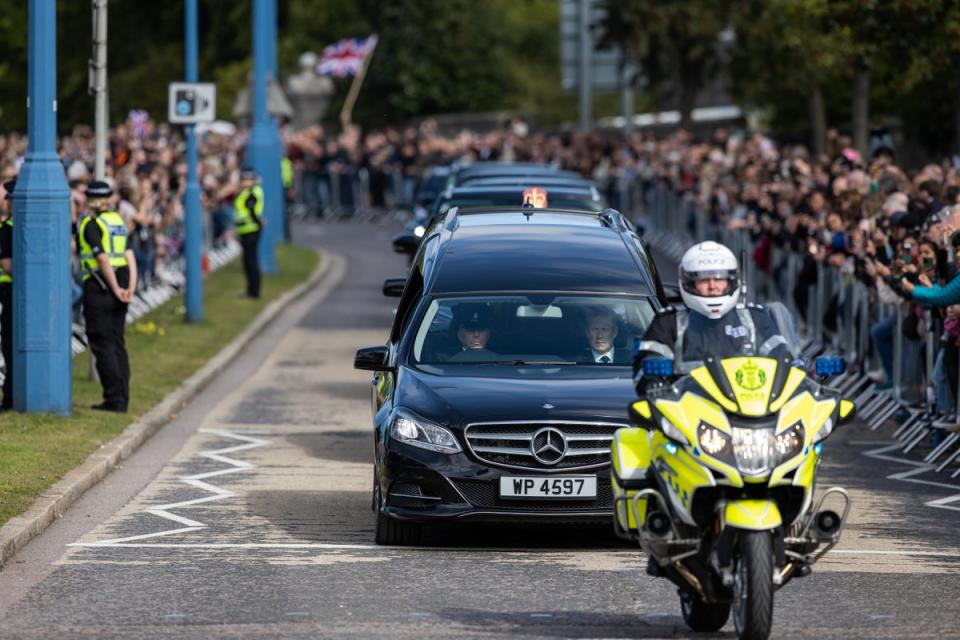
(263, 148)
(191, 195)
(41, 235)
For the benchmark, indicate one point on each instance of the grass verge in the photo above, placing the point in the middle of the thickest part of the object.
(37, 450)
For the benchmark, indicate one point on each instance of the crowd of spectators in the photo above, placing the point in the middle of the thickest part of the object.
(866, 218)
(146, 167)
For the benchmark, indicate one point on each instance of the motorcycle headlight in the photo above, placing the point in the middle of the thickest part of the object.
(789, 443)
(419, 230)
(715, 443)
(754, 450)
(414, 430)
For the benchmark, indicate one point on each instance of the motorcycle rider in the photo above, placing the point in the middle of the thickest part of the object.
(713, 322)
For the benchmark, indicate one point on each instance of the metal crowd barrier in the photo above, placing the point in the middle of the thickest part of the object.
(154, 296)
(348, 195)
(674, 222)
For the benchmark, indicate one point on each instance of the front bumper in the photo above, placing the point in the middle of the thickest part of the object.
(424, 486)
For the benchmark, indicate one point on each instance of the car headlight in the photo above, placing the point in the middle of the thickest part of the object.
(789, 443)
(715, 443)
(416, 431)
(754, 450)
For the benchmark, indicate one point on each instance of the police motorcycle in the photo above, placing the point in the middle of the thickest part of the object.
(716, 480)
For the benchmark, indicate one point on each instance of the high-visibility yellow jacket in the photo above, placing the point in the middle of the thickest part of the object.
(247, 209)
(114, 232)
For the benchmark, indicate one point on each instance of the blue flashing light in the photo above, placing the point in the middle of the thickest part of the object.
(658, 367)
(827, 366)
(818, 448)
(671, 448)
(696, 451)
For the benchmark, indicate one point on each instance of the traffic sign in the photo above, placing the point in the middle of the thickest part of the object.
(605, 64)
(192, 102)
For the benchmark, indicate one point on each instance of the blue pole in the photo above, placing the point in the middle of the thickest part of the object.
(263, 149)
(191, 195)
(271, 51)
(41, 235)
(281, 201)
(280, 205)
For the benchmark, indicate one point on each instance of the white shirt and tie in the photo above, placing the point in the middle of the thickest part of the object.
(602, 358)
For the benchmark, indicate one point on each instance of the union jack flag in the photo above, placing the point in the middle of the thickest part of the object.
(345, 57)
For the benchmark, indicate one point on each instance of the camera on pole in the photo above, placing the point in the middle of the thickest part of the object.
(192, 102)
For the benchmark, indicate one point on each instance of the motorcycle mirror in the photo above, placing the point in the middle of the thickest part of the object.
(640, 412)
(848, 410)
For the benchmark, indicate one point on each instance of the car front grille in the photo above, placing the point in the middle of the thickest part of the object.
(484, 494)
(584, 445)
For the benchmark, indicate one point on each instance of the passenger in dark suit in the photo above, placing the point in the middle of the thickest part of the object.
(601, 328)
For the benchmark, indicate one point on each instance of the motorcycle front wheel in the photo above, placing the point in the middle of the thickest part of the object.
(753, 586)
(703, 616)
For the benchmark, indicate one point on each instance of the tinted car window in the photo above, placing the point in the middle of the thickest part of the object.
(518, 329)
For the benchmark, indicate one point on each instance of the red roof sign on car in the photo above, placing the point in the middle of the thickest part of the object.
(535, 197)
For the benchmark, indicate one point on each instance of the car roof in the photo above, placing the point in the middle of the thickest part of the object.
(510, 190)
(529, 181)
(508, 169)
(537, 250)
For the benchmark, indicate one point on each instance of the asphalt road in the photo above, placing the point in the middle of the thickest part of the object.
(249, 516)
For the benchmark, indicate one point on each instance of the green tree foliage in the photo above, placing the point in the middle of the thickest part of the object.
(434, 56)
(787, 62)
(676, 42)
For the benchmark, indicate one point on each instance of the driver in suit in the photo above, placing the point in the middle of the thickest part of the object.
(601, 327)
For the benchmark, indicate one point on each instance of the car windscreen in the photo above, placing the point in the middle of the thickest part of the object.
(430, 188)
(556, 201)
(529, 330)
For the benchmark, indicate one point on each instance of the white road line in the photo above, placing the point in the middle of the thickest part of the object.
(375, 547)
(893, 552)
(919, 468)
(196, 481)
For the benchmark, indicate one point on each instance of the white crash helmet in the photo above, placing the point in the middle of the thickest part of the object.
(709, 260)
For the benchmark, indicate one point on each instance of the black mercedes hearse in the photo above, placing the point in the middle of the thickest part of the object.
(507, 369)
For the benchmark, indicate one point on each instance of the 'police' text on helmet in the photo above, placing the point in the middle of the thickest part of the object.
(709, 260)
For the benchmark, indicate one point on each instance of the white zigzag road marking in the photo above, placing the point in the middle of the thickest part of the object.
(919, 468)
(196, 481)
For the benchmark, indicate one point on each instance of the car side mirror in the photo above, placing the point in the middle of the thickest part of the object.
(406, 243)
(393, 287)
(372, 358)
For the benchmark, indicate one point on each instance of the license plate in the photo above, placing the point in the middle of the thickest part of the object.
(539, 487)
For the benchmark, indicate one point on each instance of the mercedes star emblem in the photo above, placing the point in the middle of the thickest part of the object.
(548, 446)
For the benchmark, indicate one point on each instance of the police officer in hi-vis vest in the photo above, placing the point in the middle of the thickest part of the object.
(6, 291)
(109, 280)
(248, 221)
